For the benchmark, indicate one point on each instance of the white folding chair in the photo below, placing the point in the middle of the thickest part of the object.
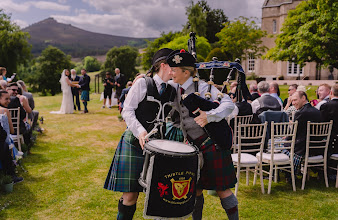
(335, 157)
(255, 134)
(276, 159)
(246, 119)
(317, 137)
(17, 138)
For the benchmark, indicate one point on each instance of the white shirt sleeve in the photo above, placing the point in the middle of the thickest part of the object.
(135, 95)
(255, 105)
(223, 110)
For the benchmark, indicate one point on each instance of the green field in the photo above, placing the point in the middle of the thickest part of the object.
(69, 163)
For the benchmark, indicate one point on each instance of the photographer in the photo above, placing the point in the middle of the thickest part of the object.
(108, 84)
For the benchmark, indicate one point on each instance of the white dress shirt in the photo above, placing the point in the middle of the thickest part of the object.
(136, 94)
(215, 115)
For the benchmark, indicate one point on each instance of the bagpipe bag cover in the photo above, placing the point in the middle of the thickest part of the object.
(220, 132)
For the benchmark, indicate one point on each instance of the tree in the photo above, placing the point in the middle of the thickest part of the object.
(215, 19)
(202, 46)
(155, 45)
(217, 52)
(241, 36)
(309, 34)
(197, 20)
(123, 58)
(50, 65)
(14, 48)
(91, 64)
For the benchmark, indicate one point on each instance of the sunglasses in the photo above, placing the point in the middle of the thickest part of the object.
(15, 90)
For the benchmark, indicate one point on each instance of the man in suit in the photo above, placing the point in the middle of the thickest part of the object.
(323, 94)
(84, 85)
(75, 90)
(329, 111)
(120, 84)
(306, 112)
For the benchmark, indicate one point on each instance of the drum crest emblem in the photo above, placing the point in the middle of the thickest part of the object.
(180, 188)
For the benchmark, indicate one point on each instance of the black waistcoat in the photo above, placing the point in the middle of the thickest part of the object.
(146, 111)
(268, 102)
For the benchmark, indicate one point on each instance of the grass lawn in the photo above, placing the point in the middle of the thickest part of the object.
(68, 167)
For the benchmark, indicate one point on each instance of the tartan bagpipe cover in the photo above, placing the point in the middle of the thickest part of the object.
(220, 132)
(171, 186)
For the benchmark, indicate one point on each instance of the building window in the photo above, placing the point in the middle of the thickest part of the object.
(294, 69)
(274, 26)
(251, 63)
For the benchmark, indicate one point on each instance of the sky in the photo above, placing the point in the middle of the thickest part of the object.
(132, 18)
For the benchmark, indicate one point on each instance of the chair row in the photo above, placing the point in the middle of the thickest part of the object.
(249, 151)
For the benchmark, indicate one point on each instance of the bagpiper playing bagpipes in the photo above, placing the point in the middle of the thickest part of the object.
(203, 110)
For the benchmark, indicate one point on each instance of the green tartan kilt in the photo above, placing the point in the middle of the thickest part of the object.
(218, 172)
(126, 166)
(85, 95)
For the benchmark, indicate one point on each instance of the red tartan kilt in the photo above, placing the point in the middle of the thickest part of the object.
(218, 172)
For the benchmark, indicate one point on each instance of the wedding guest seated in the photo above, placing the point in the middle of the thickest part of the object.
(6, 157)
(15, 102)
(323, 94)
(329, 111)
(3, 72)
(254, 91)
(232, 89)
(3, 84)
(275, 92)
(306, 112)
(34, 115)
(288, 101)
(266, 101)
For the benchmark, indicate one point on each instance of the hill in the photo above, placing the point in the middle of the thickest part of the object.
(75, 41)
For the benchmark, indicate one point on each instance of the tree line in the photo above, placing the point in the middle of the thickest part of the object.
(309, 33)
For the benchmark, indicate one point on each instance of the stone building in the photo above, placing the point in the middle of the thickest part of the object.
(274, 13)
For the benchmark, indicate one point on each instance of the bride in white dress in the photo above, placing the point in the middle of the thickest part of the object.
(67, 106)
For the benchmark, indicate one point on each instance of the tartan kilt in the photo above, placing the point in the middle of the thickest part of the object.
(126, 166)
(85, 95)
(218, 171)
(173, 133)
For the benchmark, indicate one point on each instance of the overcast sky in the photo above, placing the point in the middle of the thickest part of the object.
(132, 18)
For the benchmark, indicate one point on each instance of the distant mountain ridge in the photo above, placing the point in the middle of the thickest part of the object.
(75, 41)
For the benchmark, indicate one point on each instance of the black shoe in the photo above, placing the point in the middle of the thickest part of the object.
(17, 179)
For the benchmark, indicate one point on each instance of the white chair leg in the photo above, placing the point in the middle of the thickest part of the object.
(276, 173)
(247, 176)
(238, 175)
(255, 175)
(325, 175)
(337, 177)
(304, 176)
(270, 177)
(261, 179)
(293, 178)
(19, 144)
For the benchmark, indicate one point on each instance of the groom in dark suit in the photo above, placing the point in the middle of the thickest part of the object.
(84, 85)
(75, 90)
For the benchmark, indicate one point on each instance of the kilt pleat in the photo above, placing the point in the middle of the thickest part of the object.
(218, 172)
(173, 133)
(126, 166)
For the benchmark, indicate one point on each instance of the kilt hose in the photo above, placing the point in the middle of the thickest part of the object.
(126, 166)
(218, 171)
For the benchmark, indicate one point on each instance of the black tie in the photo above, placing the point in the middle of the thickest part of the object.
(163, 86)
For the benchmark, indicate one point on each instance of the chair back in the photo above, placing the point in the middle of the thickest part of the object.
(246, 119)
(251, 138)
(15, 114)
(318, 137)
(283, 137)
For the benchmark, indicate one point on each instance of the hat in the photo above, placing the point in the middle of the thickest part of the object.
(161, 55)
(181, 58)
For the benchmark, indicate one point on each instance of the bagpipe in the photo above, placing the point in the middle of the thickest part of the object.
(220, 132)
